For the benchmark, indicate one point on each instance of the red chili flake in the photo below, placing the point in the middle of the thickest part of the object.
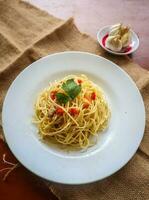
(86, 96)
(79, 81)
(93, 96)
(85, 105)
(59, 111)
(53, 95)
(73, 111)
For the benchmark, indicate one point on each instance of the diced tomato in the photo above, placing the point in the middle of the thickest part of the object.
(53, 95)
(93, 96)
(85, 105)
(73, 111)
(59, 111)
(79, 81)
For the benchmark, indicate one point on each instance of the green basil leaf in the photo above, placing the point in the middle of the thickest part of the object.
(74, 93)
(71, 88)
(69, 85)
(62, 98)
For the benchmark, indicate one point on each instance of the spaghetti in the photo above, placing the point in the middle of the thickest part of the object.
(71, 111)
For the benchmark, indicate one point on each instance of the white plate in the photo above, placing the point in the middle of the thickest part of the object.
(115, 146)
(105, 30)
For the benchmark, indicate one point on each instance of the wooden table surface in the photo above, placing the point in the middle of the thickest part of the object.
(89, 17)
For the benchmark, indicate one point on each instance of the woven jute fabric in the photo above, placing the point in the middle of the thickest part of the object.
(27, 34)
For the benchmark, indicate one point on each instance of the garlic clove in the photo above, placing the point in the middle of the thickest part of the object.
(126, 39)
(114, 43)
(116, 25)
(124, 30)
(115, 29)
(51, 111)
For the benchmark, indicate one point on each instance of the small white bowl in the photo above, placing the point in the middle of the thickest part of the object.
(102, 35)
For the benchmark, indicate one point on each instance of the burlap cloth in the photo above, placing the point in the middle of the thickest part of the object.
(26, 34)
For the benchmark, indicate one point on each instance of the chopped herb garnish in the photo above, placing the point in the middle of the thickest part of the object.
(71, 88)
(62, 98)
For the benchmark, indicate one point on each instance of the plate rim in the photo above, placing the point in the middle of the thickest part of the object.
(75, 52)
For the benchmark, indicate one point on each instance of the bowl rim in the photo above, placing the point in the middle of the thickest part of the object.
(114, 52)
